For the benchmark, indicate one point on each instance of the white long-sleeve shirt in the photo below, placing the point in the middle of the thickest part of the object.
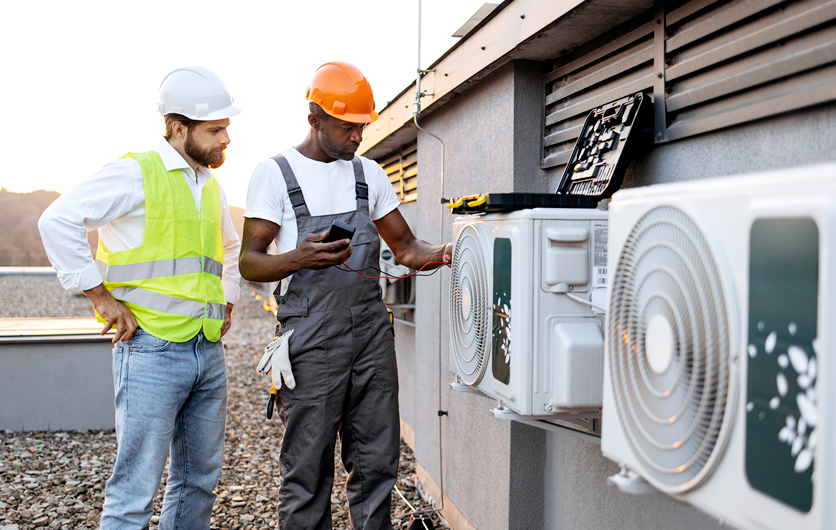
(113, 202)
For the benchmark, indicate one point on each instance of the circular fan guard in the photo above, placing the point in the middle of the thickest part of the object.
(469, 305)
(673, 388)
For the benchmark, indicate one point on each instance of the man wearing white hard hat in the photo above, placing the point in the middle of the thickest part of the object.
(166, 277)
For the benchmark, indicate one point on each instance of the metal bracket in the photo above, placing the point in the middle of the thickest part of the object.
(660, 121)
(580, 418)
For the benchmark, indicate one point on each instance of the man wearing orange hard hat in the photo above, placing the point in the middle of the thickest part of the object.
(333, 326)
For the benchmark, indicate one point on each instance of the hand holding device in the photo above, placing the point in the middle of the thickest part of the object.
(338, 231)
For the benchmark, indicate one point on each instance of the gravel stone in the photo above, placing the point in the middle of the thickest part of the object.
(56, 480)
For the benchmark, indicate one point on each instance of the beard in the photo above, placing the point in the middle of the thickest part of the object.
(211, 158)
(332, 150)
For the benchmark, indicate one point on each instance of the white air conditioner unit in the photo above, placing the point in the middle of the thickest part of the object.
(720, 373)
(518, 332)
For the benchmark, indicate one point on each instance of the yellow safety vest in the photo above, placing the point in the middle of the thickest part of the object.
(172, 281)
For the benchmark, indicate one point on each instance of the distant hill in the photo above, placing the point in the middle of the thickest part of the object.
(20, 242)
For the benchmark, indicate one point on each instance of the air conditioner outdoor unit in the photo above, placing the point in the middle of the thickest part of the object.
(720, 372)
(518, 332)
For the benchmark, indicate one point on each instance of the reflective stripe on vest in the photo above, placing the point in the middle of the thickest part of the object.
(172, 281)
(168, 304)
(155, 269)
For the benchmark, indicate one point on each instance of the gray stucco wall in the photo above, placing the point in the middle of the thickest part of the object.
(477, 130)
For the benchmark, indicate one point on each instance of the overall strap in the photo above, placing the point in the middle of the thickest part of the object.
(297, 199)
(361, 189)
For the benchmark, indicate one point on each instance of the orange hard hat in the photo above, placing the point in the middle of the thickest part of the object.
(342, 91)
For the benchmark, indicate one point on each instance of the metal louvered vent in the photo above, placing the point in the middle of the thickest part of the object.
(402, 169)
(709, 64)
(470, 308)
(669, 346)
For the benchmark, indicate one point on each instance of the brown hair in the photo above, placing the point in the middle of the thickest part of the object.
(171, 119)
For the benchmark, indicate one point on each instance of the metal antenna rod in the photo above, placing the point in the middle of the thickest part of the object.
(416, 112)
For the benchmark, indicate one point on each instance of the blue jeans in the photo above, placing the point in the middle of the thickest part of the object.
(170, 396)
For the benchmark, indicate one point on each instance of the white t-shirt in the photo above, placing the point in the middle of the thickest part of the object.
(328, 189)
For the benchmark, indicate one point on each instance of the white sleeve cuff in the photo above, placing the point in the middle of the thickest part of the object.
(86, 278)
(231, 291)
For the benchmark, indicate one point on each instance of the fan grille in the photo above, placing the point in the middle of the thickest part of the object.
(469, 305)
(671, 386)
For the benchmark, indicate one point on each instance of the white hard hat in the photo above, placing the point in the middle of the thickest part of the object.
(196, 93)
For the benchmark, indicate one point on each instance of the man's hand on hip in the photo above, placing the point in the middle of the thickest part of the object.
(113, 312)
(227, 320)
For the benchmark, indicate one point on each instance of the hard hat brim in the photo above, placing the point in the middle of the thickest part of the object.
(355, 118)
(220, 114)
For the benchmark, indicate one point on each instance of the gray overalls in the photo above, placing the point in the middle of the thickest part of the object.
(342, 353)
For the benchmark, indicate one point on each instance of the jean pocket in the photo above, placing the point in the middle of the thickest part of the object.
(144, 342)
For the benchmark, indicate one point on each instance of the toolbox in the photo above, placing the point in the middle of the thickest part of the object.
(594, 171)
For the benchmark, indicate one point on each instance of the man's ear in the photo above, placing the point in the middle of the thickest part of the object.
(314, 121)
(179, 130)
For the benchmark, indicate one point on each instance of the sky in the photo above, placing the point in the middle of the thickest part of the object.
(79, 80)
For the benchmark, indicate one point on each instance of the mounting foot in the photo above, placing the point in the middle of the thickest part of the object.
(630, 482)
(462, 387)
